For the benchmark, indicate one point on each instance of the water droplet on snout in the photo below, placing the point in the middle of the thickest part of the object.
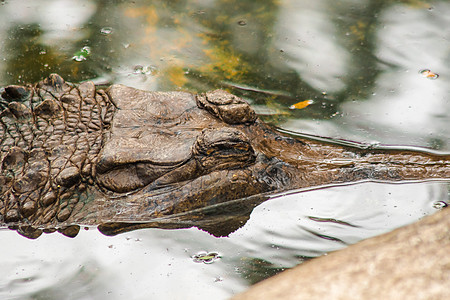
(373, 145)
(206, 257)
(440, 204)
(106, 30)
(428, 74)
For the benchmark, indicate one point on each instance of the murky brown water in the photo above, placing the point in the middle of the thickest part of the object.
(360, 62)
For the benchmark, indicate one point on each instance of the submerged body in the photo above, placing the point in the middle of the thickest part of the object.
(124, 157)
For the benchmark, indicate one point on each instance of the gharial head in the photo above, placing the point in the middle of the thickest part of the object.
(161, 138)
(76, 154)
(171, 152)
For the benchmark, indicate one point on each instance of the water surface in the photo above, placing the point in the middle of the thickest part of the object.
(359, 61)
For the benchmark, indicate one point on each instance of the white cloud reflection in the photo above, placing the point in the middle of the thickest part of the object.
(303, 32)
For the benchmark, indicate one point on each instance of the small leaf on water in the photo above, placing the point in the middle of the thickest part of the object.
(301, 104)
(82, 54)
(428, 74)
(205, 257)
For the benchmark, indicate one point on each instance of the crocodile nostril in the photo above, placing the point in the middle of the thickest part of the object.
(227, 107)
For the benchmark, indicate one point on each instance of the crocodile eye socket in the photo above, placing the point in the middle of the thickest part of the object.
(217, 149)
(224, 148)
(128, 178)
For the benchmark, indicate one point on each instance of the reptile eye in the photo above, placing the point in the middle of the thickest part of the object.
(224, 148)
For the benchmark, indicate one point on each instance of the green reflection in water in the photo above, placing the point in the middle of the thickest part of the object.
(193, 46)
(253, 270)
(27, 58)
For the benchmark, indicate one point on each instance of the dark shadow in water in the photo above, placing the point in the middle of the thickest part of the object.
(219, 219)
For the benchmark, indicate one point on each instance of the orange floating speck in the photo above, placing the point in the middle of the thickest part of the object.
(301, 104)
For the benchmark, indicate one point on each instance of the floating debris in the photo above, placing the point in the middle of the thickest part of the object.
(82, 54)
(440, 204)
(206, 257)
(106, 30)
(144, 70)
(301, 104)
(428, 74)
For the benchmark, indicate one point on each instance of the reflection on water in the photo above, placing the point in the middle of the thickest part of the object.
(360, 63)
(150, 263)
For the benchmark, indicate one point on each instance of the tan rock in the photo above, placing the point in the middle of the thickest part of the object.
(412, 262)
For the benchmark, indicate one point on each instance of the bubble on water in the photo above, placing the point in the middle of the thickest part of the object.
(106, 30)
(144, 70)
(335, 114)
(440, 204)
(428, 74)
(206, 257)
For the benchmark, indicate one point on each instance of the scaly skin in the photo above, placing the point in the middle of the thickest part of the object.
(125, 158)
